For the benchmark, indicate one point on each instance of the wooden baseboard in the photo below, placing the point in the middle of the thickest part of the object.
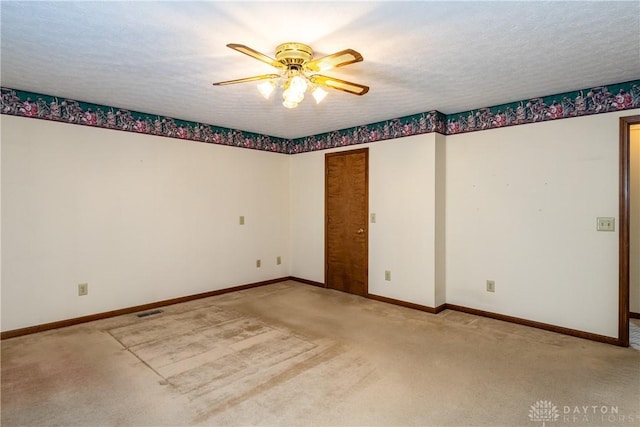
(407, 304)
(441, 307)
(306, 281)
(534, 324)
(634, 315)
(505, 318)
(381, 298)
(98, 316)
(90, 318)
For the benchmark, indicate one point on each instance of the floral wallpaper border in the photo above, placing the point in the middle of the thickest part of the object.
(432, 121)
(596, 100)
(601, 99)
(27, 104)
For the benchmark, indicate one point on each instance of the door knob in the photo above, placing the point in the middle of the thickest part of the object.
(360, 231)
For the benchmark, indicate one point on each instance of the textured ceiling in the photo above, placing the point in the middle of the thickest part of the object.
(161, 57)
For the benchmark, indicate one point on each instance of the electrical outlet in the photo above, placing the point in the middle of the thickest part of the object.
(258, 263)
(491, 286)
(606, 224)
(387, 275)
(83, 289)
(278, 260)
(241, 219)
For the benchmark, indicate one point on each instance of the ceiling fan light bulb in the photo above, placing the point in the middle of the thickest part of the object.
(293, 96)
(319, 94)
(266, 88)
(298, 84)
(289, 104)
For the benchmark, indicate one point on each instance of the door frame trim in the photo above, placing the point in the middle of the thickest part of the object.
(624, 208)
(366, 200)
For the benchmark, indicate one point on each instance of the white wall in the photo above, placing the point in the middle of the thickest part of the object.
(139, 218)
(634, 226)
(307, 215)
(144, 218)
(520, 208)
(522, 204)
(402, 177)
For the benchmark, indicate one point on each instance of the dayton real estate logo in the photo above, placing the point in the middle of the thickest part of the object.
(543, 410)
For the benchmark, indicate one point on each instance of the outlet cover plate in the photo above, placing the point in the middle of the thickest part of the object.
(83, 289)
(606, 224)
(491, 286)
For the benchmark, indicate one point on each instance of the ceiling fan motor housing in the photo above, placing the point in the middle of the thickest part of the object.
(293, 53)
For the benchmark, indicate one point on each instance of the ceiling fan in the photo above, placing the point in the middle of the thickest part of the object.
(297, 72)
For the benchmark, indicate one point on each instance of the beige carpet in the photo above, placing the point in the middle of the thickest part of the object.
(293, 354)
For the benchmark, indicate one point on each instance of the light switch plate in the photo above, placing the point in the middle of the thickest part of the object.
(491, 286)
(83, 289)
(606, 224)
(373, 218)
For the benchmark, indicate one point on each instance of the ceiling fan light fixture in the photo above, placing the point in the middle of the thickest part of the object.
(290, 95)
(266, 88)
(319, 94)
(294, 89)
(289, 104)
(298, 84)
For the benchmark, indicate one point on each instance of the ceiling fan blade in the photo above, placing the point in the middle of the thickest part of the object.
(343, 85)
(248, 79)
(338, 59)
(257, 55)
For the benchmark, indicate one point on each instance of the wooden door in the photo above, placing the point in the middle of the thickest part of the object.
(624, 235)
(346, 212)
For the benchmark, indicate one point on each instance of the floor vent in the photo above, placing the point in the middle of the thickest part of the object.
(149, 313)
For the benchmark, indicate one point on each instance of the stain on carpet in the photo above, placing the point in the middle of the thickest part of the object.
(217, 357)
